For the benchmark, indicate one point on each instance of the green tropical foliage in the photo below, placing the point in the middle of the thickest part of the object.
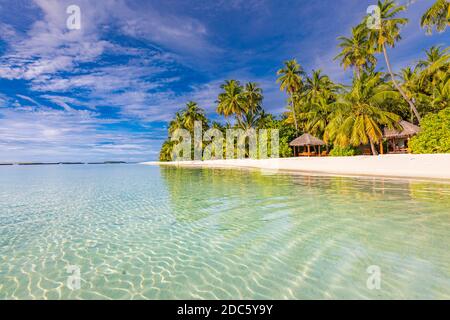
(166, 151)
(291, 80)
(387, 34)
(231, 100)
(184, 119)
(191, 114)
(359, 116)
(427, 82)
(356, 51)
(344, 151)
(435, 134)
(346, 117)
(437, 16)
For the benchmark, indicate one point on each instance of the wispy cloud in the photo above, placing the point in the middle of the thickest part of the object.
(108, 89)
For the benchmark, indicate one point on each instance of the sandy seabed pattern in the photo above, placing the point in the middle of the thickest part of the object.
(138, 232)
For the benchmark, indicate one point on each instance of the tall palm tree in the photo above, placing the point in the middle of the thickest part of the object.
(355, 51)
(191, 114)
(252, 100)
(253, 96)
(387, 34)
(231, 101)
(438, 16)
(291, 80)
(358, 116)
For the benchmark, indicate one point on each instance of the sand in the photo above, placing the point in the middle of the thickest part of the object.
(430, 166)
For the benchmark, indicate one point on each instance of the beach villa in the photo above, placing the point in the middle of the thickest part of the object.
(398, 140)
(306, 141)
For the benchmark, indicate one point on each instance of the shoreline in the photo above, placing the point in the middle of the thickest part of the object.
(421, 166)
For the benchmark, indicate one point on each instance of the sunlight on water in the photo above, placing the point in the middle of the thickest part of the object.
(138, 232)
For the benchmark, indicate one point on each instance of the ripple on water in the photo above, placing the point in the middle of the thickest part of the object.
(138, 232)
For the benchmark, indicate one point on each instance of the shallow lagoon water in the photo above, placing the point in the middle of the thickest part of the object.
(139, 232)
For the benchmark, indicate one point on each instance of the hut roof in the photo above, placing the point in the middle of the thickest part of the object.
(306, 140)
(409, 130)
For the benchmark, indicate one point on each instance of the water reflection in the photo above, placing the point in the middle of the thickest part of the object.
(323, 229)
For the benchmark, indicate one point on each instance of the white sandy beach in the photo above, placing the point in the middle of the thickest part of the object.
(430, 166)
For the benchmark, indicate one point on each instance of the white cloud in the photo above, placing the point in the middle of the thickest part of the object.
(60, 135)
(23, 97)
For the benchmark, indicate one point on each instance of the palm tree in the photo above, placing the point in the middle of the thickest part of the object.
(252, 100)
(316, 116)
(438, 16)
(265, 120)
(435, 66)
(166, 153)
(252, 97)
(319, 86)
(191, 114)
(231, 100)
(248, 120)
(176, 123)
(291, 81)
(218, 126)
(387, 34)
(409, 79)
(410, 84)
(358, 116)
(355, 51)
(441, 95)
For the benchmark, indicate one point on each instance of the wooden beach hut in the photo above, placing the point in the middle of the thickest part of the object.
(306, 141)
(398, 140)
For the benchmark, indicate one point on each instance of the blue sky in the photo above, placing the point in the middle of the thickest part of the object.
(106, 91)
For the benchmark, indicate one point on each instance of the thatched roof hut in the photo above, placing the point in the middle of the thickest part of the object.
(306, 140)
(408, 131)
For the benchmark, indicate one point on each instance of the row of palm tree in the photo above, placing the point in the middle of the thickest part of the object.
(358, 51)
(355, 115)
(342, 115)
(242, 102)
(427, 83)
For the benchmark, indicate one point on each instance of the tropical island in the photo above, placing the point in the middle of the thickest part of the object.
(341, 208)
(381, 112)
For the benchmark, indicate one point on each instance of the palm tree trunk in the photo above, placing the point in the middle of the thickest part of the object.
(227, 122)
(411, 104)
(358, 72)
(294, 115)
(372, 146)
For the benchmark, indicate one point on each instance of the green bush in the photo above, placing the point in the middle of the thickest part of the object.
(344, 152)
(285, 149)
(435, 134)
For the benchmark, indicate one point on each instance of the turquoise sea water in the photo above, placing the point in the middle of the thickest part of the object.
(138, 232)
